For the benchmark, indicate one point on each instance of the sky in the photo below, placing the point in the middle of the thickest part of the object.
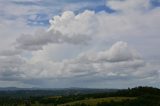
(79, 43)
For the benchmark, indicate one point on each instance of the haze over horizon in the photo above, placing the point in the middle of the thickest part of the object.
(79, 43)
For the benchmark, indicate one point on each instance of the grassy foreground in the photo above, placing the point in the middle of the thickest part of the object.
(93, 102)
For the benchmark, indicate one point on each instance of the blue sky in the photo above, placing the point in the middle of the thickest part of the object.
(79, 43)
(49, 8)
(43, 17)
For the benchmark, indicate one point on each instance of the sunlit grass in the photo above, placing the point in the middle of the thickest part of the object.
(93, 102)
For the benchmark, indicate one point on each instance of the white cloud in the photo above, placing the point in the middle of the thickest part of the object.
(119, 52)
(117, 63)
(90, 27)
(70, 24)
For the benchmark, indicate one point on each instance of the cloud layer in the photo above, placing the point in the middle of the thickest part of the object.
(88, 48)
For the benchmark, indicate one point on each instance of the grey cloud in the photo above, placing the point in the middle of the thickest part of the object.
(11, 52)
(13, 61)
(35, 42)
(42, 38)
(119, 52)
(11, 68)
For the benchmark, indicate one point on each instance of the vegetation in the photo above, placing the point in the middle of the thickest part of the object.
(94, 102)
(140, 96)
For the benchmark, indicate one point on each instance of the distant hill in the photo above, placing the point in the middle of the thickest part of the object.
(15, 92)
(15, 88)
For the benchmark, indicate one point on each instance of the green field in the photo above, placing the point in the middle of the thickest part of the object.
(93, 102)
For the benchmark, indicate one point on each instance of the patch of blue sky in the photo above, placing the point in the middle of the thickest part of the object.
(93, 1)
(56, 2)
(27, 55)
(155, 3)
(96, 9)
(38, 23)
(27, 3)
(55, 7)
(102, 8)
(62, 2)
(40, 19)
(39, 3)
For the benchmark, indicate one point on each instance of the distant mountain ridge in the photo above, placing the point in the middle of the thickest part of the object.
(14, 88)
(34, 88)
(20, 92)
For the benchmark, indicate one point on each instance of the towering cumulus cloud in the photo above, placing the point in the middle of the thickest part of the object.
(90, 48)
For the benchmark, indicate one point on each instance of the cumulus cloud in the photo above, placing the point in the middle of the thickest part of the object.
(117, 53)
(119, 56)
(108, 62)
(70, 24)
(117, 63)
(136, 17)
(67, 28)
